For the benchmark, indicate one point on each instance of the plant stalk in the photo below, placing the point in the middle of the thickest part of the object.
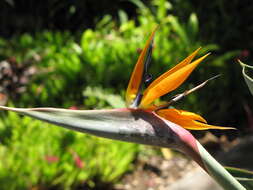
(218, 172)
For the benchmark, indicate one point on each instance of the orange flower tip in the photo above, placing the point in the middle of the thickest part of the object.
(208, 128)
(199, 60)
(225, 128)
(203, 126)
(216, 128)
(136, 79)
(197, 50)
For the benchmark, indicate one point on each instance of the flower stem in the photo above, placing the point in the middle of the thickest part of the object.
(218, 172)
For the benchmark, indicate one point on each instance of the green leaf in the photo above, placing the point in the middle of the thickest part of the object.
(247, 72)
(245, 177)
(122, 16)
(193, 25)
(179, 29)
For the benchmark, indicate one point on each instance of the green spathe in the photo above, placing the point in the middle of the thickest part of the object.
(133, 125)
(138, 126)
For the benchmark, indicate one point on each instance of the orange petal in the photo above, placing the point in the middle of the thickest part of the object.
(182, 114)
(171, 82)
(195, 125)
(186, 119)
(136, 77)
(186, 61)
(192, 116)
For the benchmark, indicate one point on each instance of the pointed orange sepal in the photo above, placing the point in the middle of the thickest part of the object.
(168, 83)
(188, 120)
(183, 63)
(136, 77)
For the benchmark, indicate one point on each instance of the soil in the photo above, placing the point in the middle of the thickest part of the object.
(157, 174)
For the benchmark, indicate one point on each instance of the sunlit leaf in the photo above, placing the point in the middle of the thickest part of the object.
(247, 72)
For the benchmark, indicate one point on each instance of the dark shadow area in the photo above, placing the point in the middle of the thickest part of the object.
(19, 16)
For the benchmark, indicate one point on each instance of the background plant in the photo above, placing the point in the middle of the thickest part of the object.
(36, 154)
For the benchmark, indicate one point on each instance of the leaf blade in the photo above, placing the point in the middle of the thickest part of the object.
(247, 78)
(245, 177)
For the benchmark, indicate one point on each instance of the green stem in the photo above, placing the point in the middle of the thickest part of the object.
(218, 172)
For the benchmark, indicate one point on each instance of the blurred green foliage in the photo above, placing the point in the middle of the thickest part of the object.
(87, 71)
(56, 57)
(227, 23)
(36, 154)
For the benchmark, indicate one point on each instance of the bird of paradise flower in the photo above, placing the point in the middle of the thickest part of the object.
(143, 121)
(164, 84)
